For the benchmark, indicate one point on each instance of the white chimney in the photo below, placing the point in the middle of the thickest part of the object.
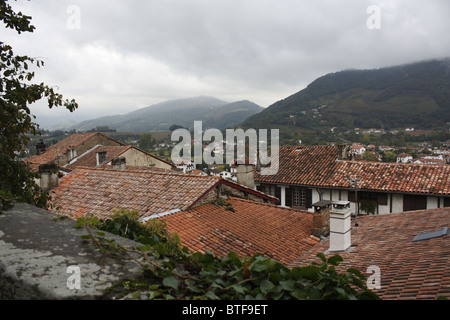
(340, 226)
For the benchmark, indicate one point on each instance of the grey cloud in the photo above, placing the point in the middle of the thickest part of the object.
(260, 50)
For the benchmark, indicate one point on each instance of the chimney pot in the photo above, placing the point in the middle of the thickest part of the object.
(340, 226)
(245, 174)
(118, 163)
(48, 176)
(321, 218)
(41, 147)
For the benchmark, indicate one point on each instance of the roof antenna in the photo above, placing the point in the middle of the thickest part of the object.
(354, 181)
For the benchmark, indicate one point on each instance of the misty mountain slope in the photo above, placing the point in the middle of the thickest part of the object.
(213, 112)
(416, 94)
(231, 114)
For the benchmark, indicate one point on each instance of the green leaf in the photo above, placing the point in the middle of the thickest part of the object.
(322, 257)
(356, 272)
(334, 260)
(341, 292)
(266, 286)
(153, 294)
(299, 294)
(310, 272)
(238, 288)
(288, 285)
(170, 281)
(194, 289)
(211, 295)
(260, 266)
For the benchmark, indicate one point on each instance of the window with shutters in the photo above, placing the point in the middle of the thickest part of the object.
(414, 202)
(447, 202)
(101, 157)
(295, 197)
(301, 197)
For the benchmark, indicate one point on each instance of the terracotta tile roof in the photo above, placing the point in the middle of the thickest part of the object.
(59, 148)
(89, 159)
(409, 270)
(100, 190)
(280, 233)
(308, 165)
(317, 166)
(395, 177)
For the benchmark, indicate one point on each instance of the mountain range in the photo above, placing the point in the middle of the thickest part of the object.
(410, 95)
(416, 94)
(214, 113)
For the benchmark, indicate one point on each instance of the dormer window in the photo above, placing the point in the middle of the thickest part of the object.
(101, 157)
(72, 152)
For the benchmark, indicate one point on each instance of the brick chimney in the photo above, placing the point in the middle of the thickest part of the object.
(118, 163)
(340, 226)
(343, 152)
(41, 147)
(245, 174)
(321, 218)
(48, 176)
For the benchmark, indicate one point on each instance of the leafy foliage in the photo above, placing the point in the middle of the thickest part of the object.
(174, 272)
(146, 142)
(368, 206)
(16, 121)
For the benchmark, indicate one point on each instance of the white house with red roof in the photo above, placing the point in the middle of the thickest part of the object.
(310, 174)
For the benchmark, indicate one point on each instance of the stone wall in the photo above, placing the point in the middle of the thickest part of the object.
(42, 256)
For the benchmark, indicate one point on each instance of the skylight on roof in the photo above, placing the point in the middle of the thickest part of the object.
(433, 234)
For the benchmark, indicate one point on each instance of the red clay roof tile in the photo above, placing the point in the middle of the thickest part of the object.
(101, 190)
(409, 270)
(253, 227)
(55, 151)
(317, 166)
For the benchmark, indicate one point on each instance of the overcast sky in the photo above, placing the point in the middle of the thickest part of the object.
(117, 56)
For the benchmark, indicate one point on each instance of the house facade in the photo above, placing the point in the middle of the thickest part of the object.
(103, 155)
(62, 152)
(86, 150)
(310, 174)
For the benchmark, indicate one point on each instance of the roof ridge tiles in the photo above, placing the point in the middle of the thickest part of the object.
(136, 170)
(270, 205)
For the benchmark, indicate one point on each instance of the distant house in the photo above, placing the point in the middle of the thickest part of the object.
(69, 148)
(99, 191)
(102, 155)
(358, 149)
(186, 166)
(88, 150)
(404, 158)
(428, 161)
(218, 172)
(385, 148)
(198, 172)
(51, 161)
(310, 174)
